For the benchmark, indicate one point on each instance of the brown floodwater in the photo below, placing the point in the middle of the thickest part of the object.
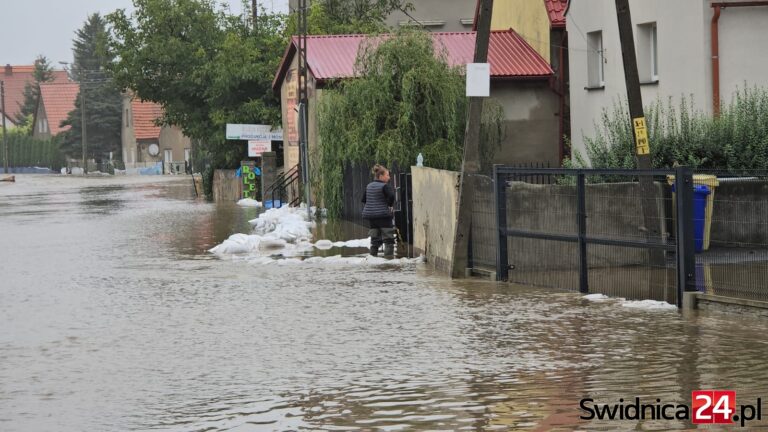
(113, 317)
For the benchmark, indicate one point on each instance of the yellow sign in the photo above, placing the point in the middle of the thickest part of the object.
(641, 136)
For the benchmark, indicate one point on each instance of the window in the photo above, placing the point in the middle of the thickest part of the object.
(127, 122)
(647, 53)
(42, 125)
(595, 59)
(654, 55)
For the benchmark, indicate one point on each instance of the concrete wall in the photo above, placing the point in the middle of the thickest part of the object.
(531, 122)
(435, 197)
(613, 211)
(226, 186)
(739, 214)
(529, 19)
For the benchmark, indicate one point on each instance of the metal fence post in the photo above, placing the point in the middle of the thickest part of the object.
(500, 194)
(581, 220)
(686, 260)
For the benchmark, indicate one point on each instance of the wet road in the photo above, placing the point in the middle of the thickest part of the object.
(113, 317)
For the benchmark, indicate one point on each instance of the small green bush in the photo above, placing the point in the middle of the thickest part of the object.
(683, 135)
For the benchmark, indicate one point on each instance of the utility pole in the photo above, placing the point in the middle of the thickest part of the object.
(82, 123)
(639, 129)
(470, 165)
(5, 134)
(303, 103)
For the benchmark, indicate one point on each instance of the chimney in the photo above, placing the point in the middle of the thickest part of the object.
(8, 70)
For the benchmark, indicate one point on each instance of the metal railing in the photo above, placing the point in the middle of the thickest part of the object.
(575, 231)
(286, 189)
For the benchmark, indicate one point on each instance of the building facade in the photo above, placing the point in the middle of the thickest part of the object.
(57, 100)
(433, 15)
(145, 143)
(674, 46)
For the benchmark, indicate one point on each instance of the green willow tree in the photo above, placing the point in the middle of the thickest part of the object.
(206, 69)
(43, 73)
(406, 101)
(103, 102)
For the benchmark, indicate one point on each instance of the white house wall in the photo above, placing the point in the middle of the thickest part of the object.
(684, 57)
(743, 48)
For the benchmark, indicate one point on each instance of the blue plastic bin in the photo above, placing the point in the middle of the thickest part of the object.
(700, 193)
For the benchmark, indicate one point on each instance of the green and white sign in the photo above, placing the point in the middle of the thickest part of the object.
(253, 132)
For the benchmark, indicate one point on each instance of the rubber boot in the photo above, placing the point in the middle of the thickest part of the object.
(374, 250)
(389, 250)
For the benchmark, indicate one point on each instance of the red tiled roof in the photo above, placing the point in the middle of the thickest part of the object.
(58, 99)
(144, 116)
(333, 57)
(14, 85)
(556, 12)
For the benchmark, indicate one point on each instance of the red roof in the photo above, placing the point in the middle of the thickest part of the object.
(15, 78)
(144, 116)
(556, 12)
(58, 99)
(333, 56)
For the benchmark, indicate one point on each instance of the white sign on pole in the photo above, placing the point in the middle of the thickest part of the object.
(478, 79)
(256, 147)
(253, 132)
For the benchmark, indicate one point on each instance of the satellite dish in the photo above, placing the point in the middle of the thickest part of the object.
(154, 149)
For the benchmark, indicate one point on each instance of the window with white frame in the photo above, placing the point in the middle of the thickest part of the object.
(595, 60)
(647, 53)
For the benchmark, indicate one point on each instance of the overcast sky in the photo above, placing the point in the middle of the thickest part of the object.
(29, 28)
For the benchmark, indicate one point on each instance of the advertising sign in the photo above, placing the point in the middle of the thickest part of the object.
(257, 147)
(253, 132)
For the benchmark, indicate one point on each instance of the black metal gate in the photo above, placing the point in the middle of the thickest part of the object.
(590, 230)
(355, 179)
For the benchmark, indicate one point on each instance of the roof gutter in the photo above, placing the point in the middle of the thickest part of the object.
(716, 48)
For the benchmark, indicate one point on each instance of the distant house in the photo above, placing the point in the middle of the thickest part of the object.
(520, 81)
(56, 102)
(145, 143)
(15, 78)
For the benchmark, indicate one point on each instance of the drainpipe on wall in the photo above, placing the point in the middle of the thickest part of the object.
(715, 63)
(716, 48)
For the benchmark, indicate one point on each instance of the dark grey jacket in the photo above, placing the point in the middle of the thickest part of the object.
(378, 198)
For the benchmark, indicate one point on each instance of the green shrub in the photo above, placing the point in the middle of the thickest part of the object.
(683, 135)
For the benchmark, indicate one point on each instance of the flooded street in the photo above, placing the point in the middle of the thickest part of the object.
(114, 317)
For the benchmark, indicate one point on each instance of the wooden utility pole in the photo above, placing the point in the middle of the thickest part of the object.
(5, 135)
(639, 129)
(470, 165)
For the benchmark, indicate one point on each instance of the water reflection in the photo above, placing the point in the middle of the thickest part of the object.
(121, 321)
